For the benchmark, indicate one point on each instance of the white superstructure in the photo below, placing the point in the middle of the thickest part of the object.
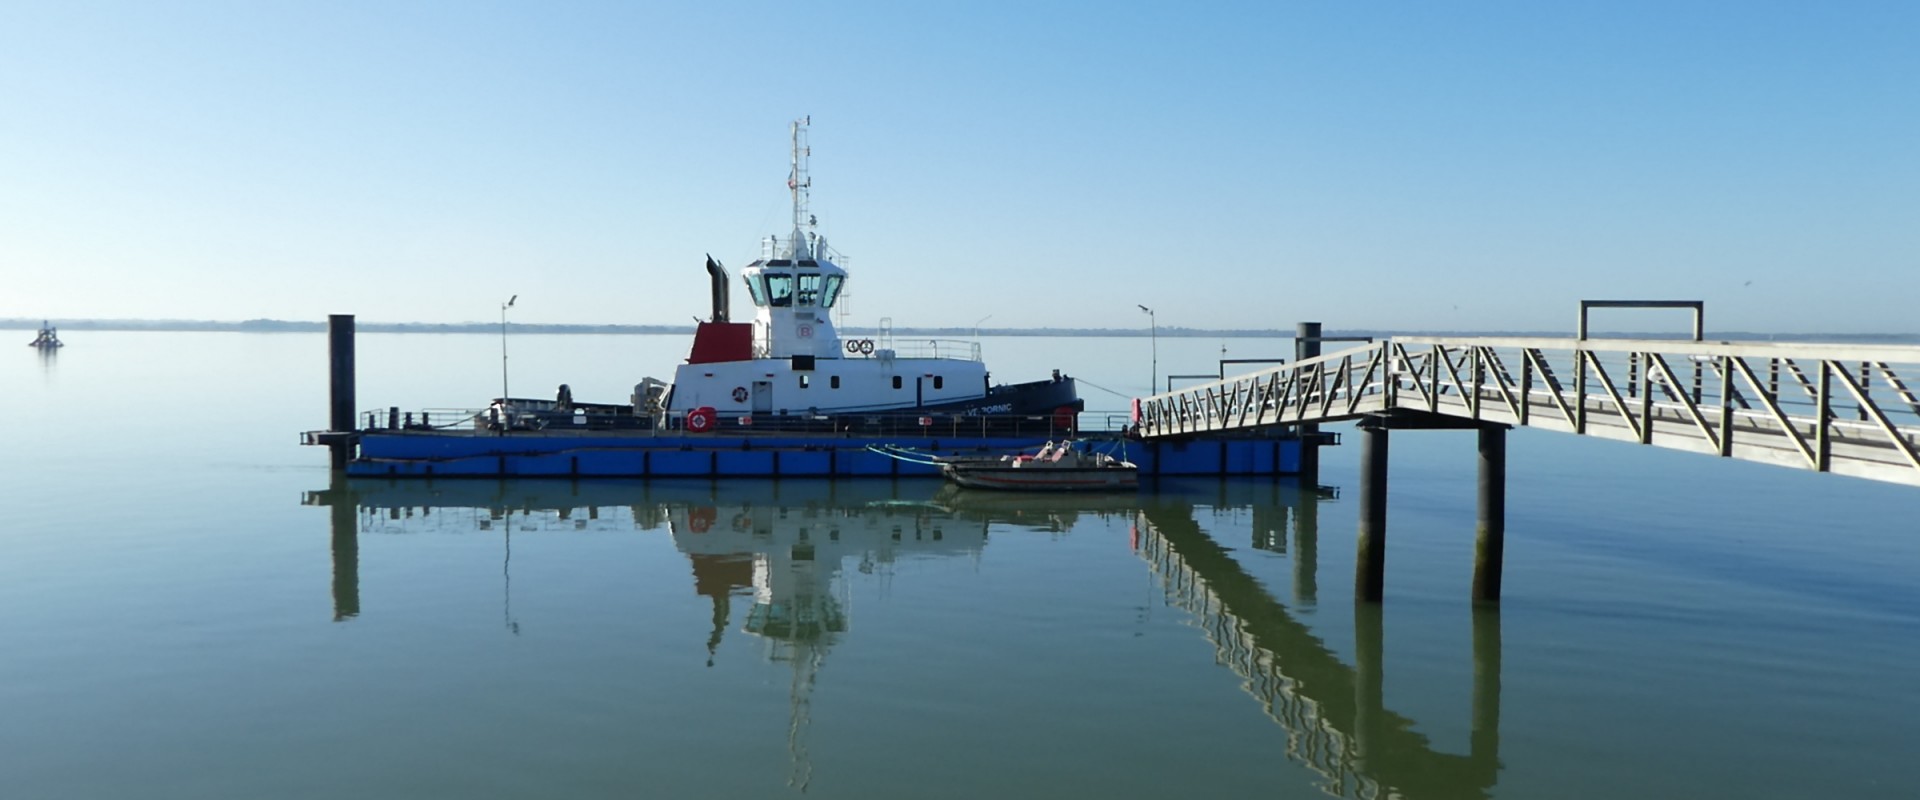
(791, 360)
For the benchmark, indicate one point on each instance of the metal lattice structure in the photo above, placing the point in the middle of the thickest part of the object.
(1841, 408)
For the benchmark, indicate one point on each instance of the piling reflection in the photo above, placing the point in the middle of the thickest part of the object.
(769, 557)
(1335, 716)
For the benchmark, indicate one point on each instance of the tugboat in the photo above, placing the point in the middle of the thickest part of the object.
(789, 369)
(49, 338)
(782, 395)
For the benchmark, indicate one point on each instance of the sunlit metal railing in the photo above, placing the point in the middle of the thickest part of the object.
(1841, 408)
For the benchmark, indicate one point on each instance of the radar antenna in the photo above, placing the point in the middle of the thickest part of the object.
(799, 183)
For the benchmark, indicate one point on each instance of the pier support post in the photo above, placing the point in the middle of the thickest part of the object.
(1485, 742)
(340, 395)
(1490, 534)
(343, 510)
(1306, 546)
(1306, 344)
(1370, 564)
(1369, 680)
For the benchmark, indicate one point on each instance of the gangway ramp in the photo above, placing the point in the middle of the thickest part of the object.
(1848, 409)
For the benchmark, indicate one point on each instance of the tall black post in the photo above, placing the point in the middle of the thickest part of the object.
(1490, 535)
(340, 419)
(1306, 546)
(1370, 564)
(1306, 344)
(343, 508)
(1485, 742)
(1369, 680)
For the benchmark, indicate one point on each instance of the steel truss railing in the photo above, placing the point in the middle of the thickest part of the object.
(1836, 408)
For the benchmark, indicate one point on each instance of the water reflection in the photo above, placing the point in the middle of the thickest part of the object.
(1336, 719)
(769, 559)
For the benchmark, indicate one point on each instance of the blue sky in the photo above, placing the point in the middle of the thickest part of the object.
(1465, 165)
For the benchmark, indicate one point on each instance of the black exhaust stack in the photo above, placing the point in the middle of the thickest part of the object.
(718, 274)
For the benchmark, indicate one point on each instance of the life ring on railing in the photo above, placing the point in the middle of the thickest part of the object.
(700, 420)
(861, 346)
(700, 520)
(1136, 411)
(739, 394)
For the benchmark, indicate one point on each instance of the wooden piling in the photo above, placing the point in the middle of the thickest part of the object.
(340, 398)
(1370, 564)
(1490, 534)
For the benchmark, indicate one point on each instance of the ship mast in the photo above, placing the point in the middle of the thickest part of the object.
(798, 183)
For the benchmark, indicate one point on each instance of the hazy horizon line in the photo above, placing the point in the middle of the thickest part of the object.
(309, 326)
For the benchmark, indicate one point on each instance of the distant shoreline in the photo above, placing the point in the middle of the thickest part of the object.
(302, 326)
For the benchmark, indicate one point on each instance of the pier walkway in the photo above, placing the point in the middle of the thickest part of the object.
(1841, 408)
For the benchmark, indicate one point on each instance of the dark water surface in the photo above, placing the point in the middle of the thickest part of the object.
(193, 607)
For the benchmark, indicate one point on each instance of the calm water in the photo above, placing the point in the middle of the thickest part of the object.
(194, 608)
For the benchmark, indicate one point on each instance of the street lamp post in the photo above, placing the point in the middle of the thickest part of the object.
(504, 394)
(1153, 330)
(976, 326)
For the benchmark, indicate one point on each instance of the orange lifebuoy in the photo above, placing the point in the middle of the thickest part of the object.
(700, 520)
(700, 420)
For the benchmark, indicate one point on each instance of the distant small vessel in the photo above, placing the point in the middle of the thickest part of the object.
(1058, 467)
(49, 338)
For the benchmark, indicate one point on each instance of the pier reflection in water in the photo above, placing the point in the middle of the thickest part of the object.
(1335, 717)
(769, 559)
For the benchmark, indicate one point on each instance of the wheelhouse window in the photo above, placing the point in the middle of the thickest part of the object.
(832, 294)
(779, 289)
(757, 289)
(809, 290)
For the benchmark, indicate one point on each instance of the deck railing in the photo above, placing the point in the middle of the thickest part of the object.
(1838, 408)
(901, 424)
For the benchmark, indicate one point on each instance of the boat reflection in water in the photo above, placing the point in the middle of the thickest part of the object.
(784, 545)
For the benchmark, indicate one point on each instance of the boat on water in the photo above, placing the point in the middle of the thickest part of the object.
(790, 369)
(781, 395)
(1063, 466)
(49, 338)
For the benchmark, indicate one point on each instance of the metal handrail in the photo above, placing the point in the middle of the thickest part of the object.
(903, 423)
(1832, 408)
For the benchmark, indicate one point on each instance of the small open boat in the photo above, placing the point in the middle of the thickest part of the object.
(1058, 467)
(49, 338)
